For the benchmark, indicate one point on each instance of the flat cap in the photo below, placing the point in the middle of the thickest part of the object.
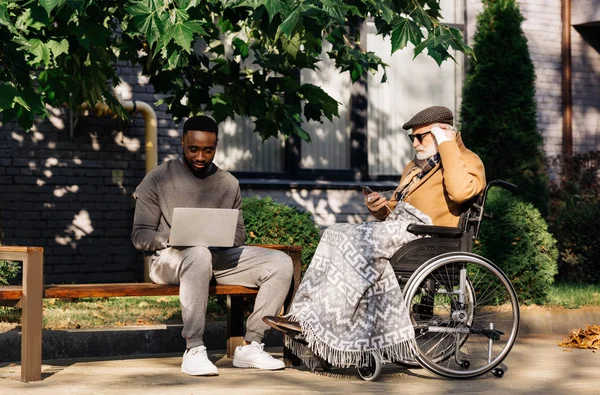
(432, 114)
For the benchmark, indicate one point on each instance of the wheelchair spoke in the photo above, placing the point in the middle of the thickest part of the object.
(465, 312)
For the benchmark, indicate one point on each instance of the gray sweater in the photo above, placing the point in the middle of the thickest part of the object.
(172, 185)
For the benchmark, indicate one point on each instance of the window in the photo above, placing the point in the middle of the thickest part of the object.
(374, 145)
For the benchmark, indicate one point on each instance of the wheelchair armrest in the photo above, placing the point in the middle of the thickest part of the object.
(442, 231)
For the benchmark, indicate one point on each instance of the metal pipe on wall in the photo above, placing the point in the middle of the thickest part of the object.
(567, 106)
(150, 126)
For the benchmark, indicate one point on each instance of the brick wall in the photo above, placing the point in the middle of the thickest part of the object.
(585, 60)
(73, 195)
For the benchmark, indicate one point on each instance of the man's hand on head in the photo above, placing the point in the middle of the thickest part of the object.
(443, 134)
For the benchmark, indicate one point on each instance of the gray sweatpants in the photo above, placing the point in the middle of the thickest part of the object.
(193, 267)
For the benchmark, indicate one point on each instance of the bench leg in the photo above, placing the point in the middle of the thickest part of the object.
(31, 338)
(235, 323)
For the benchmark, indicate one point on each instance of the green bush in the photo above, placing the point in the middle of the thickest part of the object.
(575, 214)
(498, 112)
(516, 238)
(9, 272)
(269, 222)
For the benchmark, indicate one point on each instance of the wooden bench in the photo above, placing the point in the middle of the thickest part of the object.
(29, 297)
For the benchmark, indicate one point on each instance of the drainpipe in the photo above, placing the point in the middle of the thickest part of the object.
(151, 146)
(151, 126)
(567, 107)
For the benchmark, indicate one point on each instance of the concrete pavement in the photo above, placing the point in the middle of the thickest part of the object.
(535, 365)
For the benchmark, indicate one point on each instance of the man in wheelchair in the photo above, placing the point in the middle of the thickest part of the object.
(443, 176)
(349, 307)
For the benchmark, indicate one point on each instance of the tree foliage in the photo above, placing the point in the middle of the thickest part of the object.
(226, 57)
(498, 113)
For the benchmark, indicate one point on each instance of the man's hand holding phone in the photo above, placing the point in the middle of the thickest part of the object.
(373, 200)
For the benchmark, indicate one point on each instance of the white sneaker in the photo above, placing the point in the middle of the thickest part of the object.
(196, 363)
(254, 356)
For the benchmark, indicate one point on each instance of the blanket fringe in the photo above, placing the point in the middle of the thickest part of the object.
(316, 348)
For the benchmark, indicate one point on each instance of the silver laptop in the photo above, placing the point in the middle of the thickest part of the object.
(206, 227)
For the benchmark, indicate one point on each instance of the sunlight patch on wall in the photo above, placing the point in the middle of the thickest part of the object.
(232, 155)
(51, 162)
(57, 122)
(142, 79)
(131, 144)
(17, 137)
(80, 227)
(124, 91)
(60, 192)
(95, 143)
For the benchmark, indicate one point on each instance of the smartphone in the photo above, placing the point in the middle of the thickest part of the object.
(366, 190)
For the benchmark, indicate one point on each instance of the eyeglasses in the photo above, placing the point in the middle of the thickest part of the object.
(419, 137)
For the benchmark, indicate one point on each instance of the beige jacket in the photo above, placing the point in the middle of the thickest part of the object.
(444, 192)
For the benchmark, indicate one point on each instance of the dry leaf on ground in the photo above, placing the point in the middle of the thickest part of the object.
(583, 338)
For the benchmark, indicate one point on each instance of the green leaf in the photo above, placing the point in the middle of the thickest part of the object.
(289, 24)
(404, 31)
(386, 12)
(7, 95)
(315, 95)
(49, 5)
(291, 45)
(22, 102)
(40, 50)
(241, 47)
(289, 126)
(335, 10)
(421, 17)
(273, 8)
(424, 44)
(5, 19)
(58, 47)
(150, 19)
(183, 34)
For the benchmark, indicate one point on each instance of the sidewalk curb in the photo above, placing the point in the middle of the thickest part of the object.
(539, 321)
(159, 339)
(108, 342)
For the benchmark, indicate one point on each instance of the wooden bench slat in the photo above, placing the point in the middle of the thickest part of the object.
(20, 249)
(11, 292)
(74, 291)
(279, 247)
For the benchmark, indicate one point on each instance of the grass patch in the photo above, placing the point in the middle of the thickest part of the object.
(110, 312)
(155, 310)
(573, 296)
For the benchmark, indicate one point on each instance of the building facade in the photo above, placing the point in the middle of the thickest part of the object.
(67, 185)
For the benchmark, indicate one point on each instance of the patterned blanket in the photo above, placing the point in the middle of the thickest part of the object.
(349, 304)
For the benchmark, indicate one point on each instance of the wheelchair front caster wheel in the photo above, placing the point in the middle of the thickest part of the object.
(465, 364)
(370, 372)
(498, 372)
(325, 366)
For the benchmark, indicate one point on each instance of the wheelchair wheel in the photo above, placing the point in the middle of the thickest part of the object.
(465, 314)
(371, 371)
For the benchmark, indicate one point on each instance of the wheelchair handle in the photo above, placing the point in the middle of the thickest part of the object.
(504, 184)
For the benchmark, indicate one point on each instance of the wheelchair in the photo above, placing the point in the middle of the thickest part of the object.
(463, 308)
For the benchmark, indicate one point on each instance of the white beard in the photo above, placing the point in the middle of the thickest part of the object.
(428, 153)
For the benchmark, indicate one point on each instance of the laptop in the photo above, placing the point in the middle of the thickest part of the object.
(206, 227)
